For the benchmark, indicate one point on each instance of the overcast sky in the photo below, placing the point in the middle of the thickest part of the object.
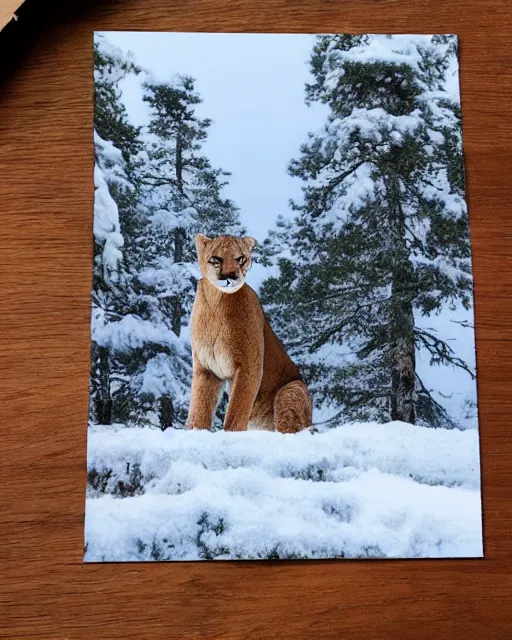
(253, 90)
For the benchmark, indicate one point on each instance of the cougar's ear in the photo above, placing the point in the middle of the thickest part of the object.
(249, 242)
(201, 243)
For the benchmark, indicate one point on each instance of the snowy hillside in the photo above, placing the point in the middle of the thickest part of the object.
(360, 490)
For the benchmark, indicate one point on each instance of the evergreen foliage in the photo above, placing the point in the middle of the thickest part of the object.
(381, 236)
(155, 191)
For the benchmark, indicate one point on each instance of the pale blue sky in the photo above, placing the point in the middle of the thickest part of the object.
(253, 90)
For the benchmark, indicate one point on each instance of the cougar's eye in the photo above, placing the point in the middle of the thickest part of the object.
(241, 260)
(215, 260)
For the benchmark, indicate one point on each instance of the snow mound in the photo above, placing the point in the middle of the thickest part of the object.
(360, 490)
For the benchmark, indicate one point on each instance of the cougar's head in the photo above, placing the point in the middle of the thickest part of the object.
(225, 260)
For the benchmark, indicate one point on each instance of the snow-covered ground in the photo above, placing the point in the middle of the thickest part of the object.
(360, 490)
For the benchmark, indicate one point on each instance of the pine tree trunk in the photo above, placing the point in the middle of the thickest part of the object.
(402, 346)
(179, 163)
(166, 413)
(176, 315)
(403, 367)
(102, 398)
(179, 242)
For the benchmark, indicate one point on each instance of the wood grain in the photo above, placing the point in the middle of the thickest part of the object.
(46, 209)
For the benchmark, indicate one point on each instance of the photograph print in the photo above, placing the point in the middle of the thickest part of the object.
(282, 337)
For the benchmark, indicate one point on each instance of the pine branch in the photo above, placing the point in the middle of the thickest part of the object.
(157, 182)
(348, 291)
(325, 337)
(438, 348)
(463, 323)
(339, 179)
(416, 240)
(436, 407)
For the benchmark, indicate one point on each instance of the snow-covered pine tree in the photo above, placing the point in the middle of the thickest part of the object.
(381, 236)
(184, 192)
(111, 122)
(108, 273)
(158, 191)
(179, 194)
(115, 142)
(132, 341)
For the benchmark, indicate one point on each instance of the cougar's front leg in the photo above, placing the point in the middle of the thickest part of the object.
(244, 389)
(204, 397)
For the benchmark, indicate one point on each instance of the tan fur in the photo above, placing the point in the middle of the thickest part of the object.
(233, 341)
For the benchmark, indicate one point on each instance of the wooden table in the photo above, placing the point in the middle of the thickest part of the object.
(46, 207)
